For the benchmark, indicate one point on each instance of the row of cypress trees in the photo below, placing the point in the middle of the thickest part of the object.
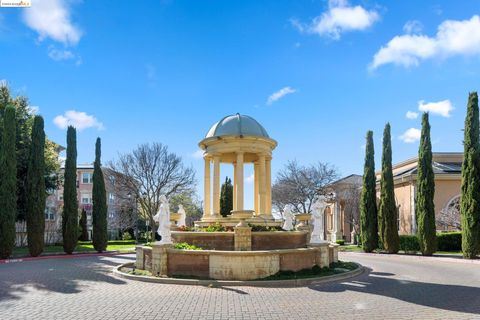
(381, 225)
(36, 191)
(70, 221)
(35, 186)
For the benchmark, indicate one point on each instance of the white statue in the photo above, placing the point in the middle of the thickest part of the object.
(288, 217)
(163, 218)
(318, 208)
(183, 215)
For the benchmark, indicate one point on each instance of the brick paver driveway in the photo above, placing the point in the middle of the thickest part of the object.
(394, 288)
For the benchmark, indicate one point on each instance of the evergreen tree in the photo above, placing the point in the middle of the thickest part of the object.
(470, 200)
(8, 184)
(35, 187)
(388, 226)
(368, 200)
(83, 226)
(99, 213)
(70, 204)
(226, 197)
(424, 206)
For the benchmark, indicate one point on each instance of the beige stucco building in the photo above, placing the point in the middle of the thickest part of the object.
(343, 207)
(447, 169)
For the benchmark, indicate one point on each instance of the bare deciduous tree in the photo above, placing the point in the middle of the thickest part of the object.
(299, 185)
(350, 197)
(149, 172)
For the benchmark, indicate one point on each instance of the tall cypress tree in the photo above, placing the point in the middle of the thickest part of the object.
(388, 226)
(83, 226)
(470, 201)
(99, 213)
(424, 206)
(35, 187)
(368, 200)
(70, 202)
(226, 197)
(8, 184)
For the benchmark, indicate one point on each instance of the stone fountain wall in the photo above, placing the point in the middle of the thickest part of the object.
(244, 260)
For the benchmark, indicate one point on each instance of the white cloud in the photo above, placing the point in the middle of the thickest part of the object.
(250, 178)
(280, 94)
(34, 109)
(63, 54)
(197, 154)
(453, 38)
(51, 19)
(339, 18)
(442, 108)
(413, 26)
(77, 119)
(411, 135)
(412, 115)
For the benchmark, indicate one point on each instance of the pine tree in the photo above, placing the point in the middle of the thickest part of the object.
(35, 187)
(226, 197)
(8, 184)
(83, 226)
(99, 213)
(388, 226)
(368, 200)
(470, 200)
(70, 204)
(424, 206)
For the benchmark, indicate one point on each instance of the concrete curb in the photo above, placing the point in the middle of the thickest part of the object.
(65, 256)
(437, 258)
(234, 283)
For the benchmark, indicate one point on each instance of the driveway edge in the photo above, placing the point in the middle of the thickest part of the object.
(255, 283)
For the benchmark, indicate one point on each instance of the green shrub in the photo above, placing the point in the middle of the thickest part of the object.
(340, 242)
(217, 227)
(409, 243)
(186, 246)
(449, 241)
(126, 236)
(259, 228)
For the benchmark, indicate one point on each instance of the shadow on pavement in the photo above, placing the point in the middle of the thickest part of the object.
(440, 296)
(66, 276)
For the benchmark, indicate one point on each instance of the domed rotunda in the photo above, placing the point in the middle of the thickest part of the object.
(238, 139)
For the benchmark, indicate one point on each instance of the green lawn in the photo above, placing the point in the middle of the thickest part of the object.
(82, 247)
(354, 248)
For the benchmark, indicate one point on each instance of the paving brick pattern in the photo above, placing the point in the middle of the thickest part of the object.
(84, 288)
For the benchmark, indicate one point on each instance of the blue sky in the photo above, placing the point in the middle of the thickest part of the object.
(316, 74)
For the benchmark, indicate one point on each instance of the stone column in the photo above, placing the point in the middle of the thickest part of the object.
(234, 186)
(262, 184)
(243, 239)
(268, 186)
(256, 174)
(159, 259)
(336, 221)
(206, 192)
(239, 180)
(216, 185)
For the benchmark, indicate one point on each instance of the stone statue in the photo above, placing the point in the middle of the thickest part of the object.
(288, 217)
(163, 218)
(183, 215)
(318, 208)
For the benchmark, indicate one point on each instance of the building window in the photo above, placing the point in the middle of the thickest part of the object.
(49, 213)
(87, 178)
(111, 198)
(86, 199)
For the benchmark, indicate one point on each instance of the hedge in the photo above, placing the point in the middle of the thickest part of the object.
(409, 243)
(448, 241)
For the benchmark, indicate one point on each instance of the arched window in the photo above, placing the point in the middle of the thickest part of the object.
(449, 217)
